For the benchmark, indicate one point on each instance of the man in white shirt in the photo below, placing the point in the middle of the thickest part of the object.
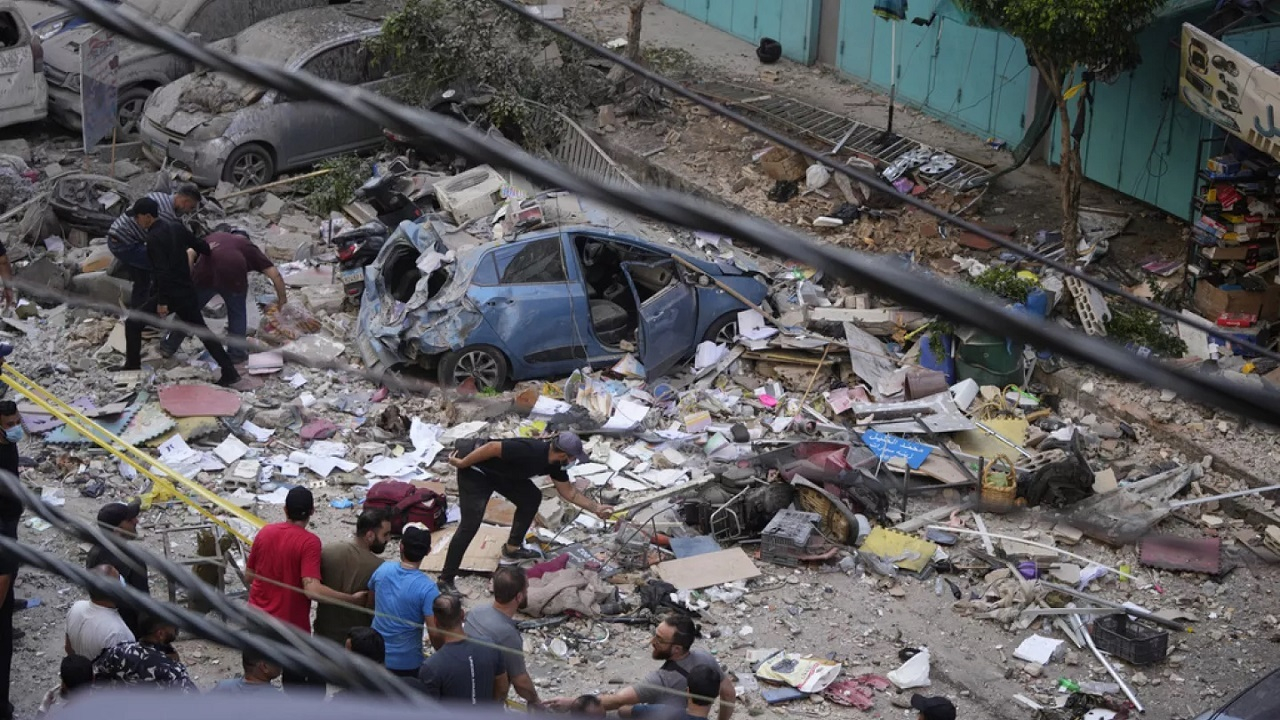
(95, 624)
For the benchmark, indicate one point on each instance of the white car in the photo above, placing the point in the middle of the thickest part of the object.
(23, 89)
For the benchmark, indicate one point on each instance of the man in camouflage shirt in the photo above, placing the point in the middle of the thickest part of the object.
(148, 661)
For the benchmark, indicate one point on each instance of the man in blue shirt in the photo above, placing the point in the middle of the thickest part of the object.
(402, 597)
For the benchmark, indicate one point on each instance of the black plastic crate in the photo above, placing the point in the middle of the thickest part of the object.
(787, 536)
(1135, 642)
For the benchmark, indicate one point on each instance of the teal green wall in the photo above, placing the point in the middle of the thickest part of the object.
(972, 78)
(794, 23)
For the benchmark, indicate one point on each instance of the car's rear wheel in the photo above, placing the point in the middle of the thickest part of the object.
(724, 330)
(249, 165)
(129, 106)
(485, 364)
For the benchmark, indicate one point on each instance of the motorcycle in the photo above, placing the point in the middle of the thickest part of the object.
(357, 248)
(394, 196)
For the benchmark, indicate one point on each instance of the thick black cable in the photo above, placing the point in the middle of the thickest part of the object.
(873, 181)
(915, 289)
(302, 653)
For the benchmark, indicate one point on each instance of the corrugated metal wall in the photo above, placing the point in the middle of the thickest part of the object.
(1139, 138)
(972, 78)
(794, 23)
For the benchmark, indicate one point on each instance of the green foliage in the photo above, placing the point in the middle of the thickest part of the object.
(451, 43)
(1068, 34)
(1003, 282)
(1144, 329)
(331, 191)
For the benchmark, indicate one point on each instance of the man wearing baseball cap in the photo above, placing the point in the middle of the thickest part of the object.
(121, 519)
(933, 708)
(283, 574)
(507, 467)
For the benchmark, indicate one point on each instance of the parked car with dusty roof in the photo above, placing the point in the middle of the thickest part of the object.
(219, 127)
(143, 68)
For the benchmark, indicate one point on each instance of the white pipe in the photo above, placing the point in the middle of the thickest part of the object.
(1079, 624)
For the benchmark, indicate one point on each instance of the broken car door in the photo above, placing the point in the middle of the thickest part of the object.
(23, 91)
(668, 314)
(524, 293)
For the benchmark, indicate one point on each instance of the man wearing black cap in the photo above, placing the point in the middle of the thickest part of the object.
(121, 520)
(173, 290)
(127, 240)
(933, 708)
(402, 601)
(507, 468)
(283, 572)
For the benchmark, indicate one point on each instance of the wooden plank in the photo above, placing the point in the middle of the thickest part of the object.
(710, 569)
(482, 554)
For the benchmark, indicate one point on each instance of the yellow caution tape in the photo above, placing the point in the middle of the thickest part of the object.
(163, 487)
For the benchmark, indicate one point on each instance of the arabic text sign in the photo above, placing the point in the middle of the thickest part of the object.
(98, 64)
(1230, 89)
(888, 447)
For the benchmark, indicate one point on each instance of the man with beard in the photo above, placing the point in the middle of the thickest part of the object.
(668, 685)
(495, 624)
(347, 567)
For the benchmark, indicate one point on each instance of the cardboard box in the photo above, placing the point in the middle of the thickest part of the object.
(1212, 302)
(1223, 165)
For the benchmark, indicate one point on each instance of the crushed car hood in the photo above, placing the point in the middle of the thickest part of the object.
(192, 100)
(433, 323)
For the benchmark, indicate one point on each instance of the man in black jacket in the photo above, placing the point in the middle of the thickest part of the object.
(174, 292)
(10, 515)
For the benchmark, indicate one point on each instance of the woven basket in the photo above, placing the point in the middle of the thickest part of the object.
(999, 487)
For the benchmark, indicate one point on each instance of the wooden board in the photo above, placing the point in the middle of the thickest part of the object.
(482, 554)
(710, 569)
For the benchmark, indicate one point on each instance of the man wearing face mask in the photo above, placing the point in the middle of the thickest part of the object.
(10, 515)
(121, 520)
(496, 625)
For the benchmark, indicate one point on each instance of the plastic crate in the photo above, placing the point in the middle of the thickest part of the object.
(1135, 642)
(785, 538)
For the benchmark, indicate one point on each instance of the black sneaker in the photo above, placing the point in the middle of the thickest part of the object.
(229, 378)
(446, 587)
(519, 555)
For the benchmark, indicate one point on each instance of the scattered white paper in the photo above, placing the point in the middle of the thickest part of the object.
(465, 430)
(231, 450)
(664, 478)
(175, 446)
(289, 469)
(453, 514)
(549, 407)
(327, 448)
(708, 354)
(260, 434)
(307, 399)
(627, 484)
(751, 326)
(53, 496)
(297, 380)
(617, 461)
(627, 414)
(1037, 649)
(275, 497)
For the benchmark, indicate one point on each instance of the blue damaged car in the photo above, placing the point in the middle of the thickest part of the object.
(542, 305)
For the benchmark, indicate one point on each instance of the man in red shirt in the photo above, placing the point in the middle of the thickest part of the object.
(225, 273)
(284, 575)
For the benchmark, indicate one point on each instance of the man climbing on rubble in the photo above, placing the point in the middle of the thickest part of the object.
(225, 273)
(283, 574)
(127, 239)
(673, 644)
(496, 625)
(508, 467)
(121, 519)
(173, 290)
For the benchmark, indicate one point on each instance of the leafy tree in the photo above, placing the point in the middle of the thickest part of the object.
(454, 43)
(1069, 41)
